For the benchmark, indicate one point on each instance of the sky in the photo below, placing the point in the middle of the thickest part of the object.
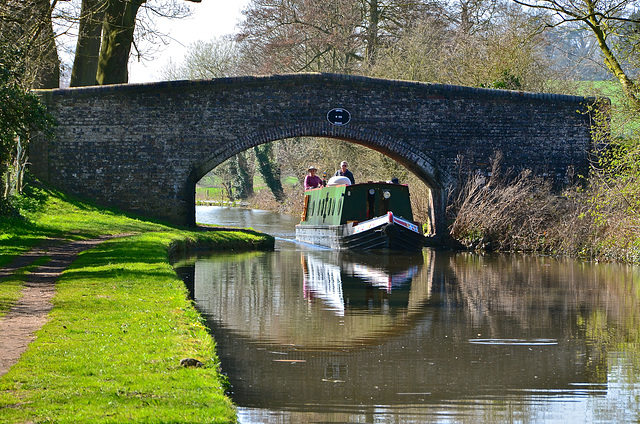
(210, 19)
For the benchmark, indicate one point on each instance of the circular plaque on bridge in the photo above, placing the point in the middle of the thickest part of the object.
(339, 116)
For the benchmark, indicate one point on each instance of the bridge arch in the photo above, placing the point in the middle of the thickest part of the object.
(143, 147)
(418, 163)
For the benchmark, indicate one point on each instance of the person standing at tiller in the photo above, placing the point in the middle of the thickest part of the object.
(344, 172)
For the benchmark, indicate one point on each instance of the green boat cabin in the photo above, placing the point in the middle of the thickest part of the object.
(342, 204)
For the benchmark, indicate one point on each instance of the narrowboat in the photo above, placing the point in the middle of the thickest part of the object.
(372, 215)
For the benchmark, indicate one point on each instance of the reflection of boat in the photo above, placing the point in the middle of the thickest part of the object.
(324, 281)
(385, 271)
(384, 280)
(359, 280)
(268, 297)
(360, 217)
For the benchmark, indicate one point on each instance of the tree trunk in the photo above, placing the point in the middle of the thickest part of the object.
(241, 180)
(372, 31)
(43, 52)
(270, 171)
(610, 60)
(85, 62)
(245, 173)
(117, 38)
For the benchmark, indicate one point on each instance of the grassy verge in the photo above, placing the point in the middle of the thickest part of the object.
(62, 217)
(121, 322)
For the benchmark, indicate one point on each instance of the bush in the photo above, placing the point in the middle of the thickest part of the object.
(492, 214)
(32, 199)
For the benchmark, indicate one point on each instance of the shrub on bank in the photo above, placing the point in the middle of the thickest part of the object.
(599, 221)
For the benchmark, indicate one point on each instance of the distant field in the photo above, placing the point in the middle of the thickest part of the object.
(610, 89)
(623, 123)
(209, 193)
(216, 192)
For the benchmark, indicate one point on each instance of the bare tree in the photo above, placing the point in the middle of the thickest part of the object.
(110, 29)
(27, 25)
(85, 65)
(205, 59)
(300, 35)
(506, 53)
(323, 35)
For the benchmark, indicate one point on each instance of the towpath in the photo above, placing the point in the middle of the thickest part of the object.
(29, 314)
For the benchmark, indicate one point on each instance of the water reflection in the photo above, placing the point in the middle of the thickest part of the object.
(319, 336)
(359, 280)
(313, 300)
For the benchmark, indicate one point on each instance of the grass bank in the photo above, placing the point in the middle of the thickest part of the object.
(120, 325)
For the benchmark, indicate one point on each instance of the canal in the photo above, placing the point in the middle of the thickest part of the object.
(314, 335)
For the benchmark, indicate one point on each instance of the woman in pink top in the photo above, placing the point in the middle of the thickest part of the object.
(312, 180)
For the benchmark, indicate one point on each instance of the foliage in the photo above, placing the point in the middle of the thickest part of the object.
(205, 60)
(494, 213)
(269, 169)
(27, 27)
(241, 181)
(507, 81)
(504, 53)
(322, 36)
(21, 117)
(598, 220)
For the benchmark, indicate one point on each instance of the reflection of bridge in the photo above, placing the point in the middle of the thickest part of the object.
(142, 148)
(407, 356)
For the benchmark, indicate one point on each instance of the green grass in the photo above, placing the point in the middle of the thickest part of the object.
(121, 322)
(623, 120)
(64, 217)
(209, 193)
(120, 325)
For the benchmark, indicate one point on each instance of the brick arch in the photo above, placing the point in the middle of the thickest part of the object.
(142, 147)
(419, 163)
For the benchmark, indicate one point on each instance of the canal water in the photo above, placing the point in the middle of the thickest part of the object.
(314, 335)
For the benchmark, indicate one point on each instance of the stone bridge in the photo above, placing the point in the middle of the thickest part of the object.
(142, 148)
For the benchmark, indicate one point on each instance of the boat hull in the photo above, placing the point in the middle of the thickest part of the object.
(385, 232)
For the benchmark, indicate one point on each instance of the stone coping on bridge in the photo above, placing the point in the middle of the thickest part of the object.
(327, 77)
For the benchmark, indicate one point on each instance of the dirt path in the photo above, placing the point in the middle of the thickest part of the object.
(28, 315)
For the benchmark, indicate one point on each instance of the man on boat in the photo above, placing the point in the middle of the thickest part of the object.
(312, 180)
(344, 172)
